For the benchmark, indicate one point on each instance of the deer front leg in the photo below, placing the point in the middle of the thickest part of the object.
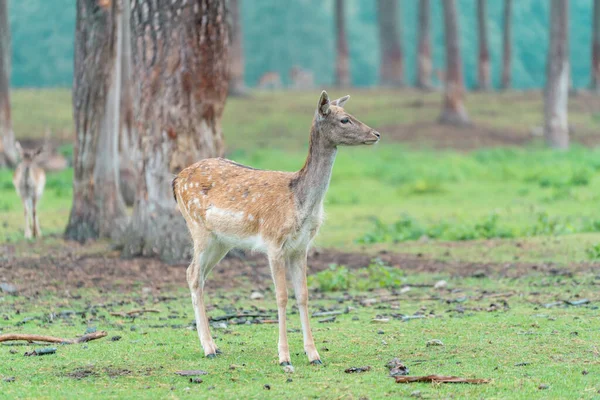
(28, 222)
(297, 264)
(207, 255)
(277, 264)
(37, 232)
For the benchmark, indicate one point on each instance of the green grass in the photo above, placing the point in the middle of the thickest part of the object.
(557, 343)
(499, 206)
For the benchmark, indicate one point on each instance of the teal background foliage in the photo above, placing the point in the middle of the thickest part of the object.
(279, 34)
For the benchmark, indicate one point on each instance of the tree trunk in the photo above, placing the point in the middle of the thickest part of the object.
(236, 75)
(392, 62)
(129, 151)
(595, 81)
(507, 46)
(424, 64)
(556, 93)
(483, 66)
(97, 202)
(342, 67)
(8, 151)
(180, 58)
(453, 111)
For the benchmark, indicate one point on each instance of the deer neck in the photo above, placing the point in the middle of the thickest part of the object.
(312, 180)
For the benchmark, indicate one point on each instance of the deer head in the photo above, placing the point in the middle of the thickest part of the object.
(339, 127)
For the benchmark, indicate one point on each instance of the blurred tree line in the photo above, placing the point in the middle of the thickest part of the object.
(280, 34)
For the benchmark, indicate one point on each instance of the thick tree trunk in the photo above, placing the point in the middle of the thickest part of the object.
(181, 63)
(342, 66)
(97, 202)
(484, 81)
(556, 95)
(392, 61)
(454, 111)
(595, 81)
(507, 46)
(236, 75)
(129, 152)
(8, 152)
(424, 64)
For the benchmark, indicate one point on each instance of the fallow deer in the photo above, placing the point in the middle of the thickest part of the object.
(270, 81)
(301, 79)
(29, 180)
(227, 205)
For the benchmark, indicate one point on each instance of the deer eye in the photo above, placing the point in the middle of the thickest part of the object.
(345, 120)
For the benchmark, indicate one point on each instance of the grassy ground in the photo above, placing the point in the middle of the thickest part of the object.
(488, 327)
(488, 195)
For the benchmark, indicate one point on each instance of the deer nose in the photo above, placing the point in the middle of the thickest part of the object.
(376, 134)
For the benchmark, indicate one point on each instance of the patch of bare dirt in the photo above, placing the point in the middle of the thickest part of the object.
(65, 270)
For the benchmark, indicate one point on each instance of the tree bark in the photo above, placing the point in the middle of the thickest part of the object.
(392, 60)
(424, 64)
(342, 67)
(181, 65)
(8, 151)
(556, 93)
(507, 46)
(236, 78)
(454, 111)
(129, 152)
(483, 66)
(97, 202)
(595, 81)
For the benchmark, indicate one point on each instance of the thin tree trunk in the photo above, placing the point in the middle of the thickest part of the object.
(556, 93)
(595, 81)
(342, 67)
(181, 63)
(129, 151)
(454, 111)
(507, 46)
(392, 60)
(483, 66)
(97, 202)
(424, 64)
(8, 151)
(236, 78)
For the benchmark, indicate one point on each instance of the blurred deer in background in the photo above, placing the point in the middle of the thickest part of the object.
(301, 79)
(270, 81)
(229, 205)
(29, 180)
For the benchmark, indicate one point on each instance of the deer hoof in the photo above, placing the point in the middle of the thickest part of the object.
(213, 355)
(285, 364)
(316, 362)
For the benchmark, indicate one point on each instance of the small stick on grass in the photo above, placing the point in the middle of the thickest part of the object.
(133, 312)
(51, 339)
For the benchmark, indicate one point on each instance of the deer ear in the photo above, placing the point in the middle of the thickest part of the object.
(323, 105)
(341, 101)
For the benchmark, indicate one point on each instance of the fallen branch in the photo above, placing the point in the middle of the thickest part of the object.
(438, 379)
(51, 339)
(132, 313)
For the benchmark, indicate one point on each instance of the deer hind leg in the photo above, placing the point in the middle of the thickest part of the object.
(297, 265)
(37, 232)
(28, 222)
(277, 264)
(207, 253)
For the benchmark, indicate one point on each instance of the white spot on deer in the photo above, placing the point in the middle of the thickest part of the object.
(250, 217)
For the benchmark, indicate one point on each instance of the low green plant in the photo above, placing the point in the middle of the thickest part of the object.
(593, 252)
(340, 278)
